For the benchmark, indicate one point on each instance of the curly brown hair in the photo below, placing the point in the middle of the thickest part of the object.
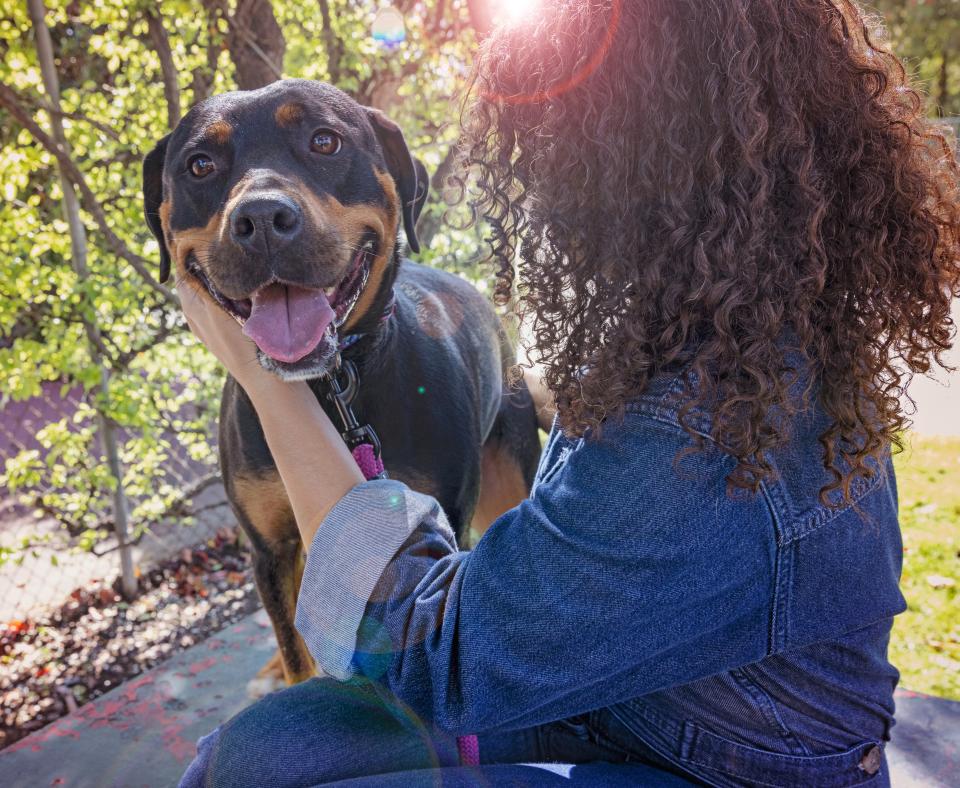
(719, 186)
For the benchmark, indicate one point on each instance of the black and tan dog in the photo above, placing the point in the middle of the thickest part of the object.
(286, 204)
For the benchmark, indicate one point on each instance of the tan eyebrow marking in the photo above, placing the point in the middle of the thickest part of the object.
(288, 114)
(219, 132)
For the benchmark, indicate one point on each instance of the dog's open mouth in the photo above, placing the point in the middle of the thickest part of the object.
(296, 328)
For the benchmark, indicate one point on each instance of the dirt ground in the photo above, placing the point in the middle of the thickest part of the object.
(55, 662)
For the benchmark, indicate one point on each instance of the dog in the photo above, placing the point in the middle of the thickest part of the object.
(286, 204)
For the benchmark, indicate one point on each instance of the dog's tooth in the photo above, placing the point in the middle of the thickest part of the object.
(329, 291)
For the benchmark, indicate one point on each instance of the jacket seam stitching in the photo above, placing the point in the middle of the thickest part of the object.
(800, 529)
(778, 603)
(652, 413)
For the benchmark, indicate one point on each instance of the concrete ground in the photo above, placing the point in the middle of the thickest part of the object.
(937, 397)
(143, 733)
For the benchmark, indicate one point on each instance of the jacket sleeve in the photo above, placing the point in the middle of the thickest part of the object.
(626, 572)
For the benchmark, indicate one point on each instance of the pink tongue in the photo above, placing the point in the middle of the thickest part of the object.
(288, 322)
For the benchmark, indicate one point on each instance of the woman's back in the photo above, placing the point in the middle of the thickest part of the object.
(828, 590)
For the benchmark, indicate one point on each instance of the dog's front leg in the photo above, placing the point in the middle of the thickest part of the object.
(278, 569)
(261, 504)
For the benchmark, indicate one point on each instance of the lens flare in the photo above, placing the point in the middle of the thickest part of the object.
(562, 86)
(510, 12)
(388, 29)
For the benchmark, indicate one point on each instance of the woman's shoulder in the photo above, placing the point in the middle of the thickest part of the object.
(838, 560)
(661, 417)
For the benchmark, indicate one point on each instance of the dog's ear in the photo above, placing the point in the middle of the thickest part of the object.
(153, 197)
(401, 167)
(423, 188)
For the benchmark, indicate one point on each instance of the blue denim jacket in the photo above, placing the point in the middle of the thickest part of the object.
(733, 639)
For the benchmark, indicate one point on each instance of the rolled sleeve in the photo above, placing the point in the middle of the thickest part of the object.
(350, 550)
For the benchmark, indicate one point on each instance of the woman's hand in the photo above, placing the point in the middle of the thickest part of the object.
(223, 337)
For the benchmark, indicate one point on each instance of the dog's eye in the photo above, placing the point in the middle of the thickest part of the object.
(326, 142)
(201, 166)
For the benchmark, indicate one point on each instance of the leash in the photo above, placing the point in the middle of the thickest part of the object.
(364, 445)
(344, 383)
(361, 439)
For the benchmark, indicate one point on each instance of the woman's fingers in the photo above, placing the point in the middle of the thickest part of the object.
(219, 331)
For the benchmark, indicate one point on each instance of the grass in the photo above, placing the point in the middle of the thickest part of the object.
(926, 638)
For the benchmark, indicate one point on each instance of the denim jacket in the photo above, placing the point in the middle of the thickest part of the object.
(735, 639)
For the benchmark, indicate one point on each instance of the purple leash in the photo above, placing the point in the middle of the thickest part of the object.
(364, 445)
(371, 466)
(469, 748)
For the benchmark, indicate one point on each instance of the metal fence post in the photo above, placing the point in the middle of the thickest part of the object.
(78, 254)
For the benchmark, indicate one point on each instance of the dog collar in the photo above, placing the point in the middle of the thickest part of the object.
(351, 339)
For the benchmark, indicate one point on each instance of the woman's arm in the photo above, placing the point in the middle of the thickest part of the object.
(315, 465)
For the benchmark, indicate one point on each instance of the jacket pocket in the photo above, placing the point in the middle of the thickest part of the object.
(729, 763)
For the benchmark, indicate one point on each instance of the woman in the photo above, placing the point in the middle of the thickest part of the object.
(737, 240)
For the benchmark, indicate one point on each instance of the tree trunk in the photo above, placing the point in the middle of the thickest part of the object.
(78, 255)
(256, 44)
(331, 43)
(430, 224)
(203, 76)
(943, 85)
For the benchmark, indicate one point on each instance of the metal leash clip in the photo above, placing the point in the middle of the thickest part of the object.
(344, 384)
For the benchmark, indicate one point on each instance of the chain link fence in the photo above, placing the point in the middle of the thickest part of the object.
(50, 556)
(69, 631)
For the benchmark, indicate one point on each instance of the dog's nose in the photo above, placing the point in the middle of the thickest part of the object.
(266, 224)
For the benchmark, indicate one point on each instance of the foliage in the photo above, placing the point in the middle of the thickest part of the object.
(926, 638)
(926, 35)
(163, 387)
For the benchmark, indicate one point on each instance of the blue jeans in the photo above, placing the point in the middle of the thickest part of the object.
(323, 732)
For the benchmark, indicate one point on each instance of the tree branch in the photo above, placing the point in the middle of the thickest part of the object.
(123, 359)
(161, 43)
(10, 100)
(102, 127)
(331, 44)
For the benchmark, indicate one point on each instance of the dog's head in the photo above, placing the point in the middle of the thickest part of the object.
(286, 204)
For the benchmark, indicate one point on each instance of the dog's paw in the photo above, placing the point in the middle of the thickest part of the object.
(259, 686)
(268, 679)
